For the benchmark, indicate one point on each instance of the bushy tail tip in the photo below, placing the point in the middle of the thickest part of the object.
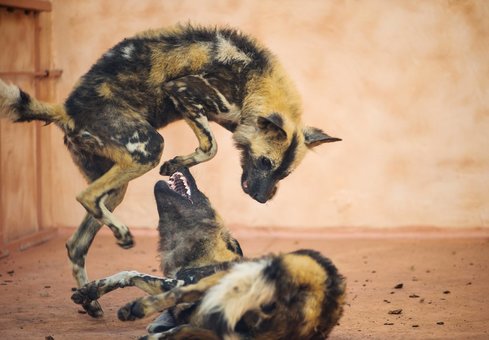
(9, 96)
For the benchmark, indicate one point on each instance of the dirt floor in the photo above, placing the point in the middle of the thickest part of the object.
(400, 286)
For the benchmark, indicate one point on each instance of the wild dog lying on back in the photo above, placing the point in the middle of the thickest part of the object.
(210, 292)
(157, 77)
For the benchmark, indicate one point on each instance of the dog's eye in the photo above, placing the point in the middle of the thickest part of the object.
(264, 163)
(268, 307)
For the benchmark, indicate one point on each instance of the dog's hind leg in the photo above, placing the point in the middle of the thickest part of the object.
(140, 154)
(148, 283)
(80, 242)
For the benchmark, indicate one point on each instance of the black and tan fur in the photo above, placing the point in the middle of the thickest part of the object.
(110, 119)
(211, 292)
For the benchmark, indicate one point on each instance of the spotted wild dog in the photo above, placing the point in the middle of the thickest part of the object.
(210, 292)
(144, 83)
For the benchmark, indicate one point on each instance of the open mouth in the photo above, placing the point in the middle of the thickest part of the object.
(179, 184)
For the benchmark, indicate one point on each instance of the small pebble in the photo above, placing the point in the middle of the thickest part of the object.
(415, 326)
(399, 286)
(414, 296)
(440, 323)
(388, 323)
(446, 292)
(395, 311)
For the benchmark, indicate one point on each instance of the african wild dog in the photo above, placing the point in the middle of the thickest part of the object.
(211, 292)
(110, 119)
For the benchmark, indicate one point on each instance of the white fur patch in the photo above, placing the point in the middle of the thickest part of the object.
(122, 278)
(127, 51)
(244, 288)
(137, 145)
(9, 95)
(227, 52)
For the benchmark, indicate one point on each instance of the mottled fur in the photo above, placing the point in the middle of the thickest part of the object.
(111, 117)
(210, 292)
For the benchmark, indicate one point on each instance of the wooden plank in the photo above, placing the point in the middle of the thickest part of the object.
(37, 67)
(45, 91)
(18, 142)
(32, 5)
(27, 242)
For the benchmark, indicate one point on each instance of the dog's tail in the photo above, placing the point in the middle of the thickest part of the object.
(19, 106)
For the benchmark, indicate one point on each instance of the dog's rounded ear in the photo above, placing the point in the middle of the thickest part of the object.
(314, 137)
(272, 124)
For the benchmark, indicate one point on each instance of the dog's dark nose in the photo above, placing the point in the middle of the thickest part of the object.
(259, 198)
(160, 185)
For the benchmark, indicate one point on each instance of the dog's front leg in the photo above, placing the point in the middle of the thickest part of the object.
(193, 97)
(207, 146)
(148, 305)
(148, 283)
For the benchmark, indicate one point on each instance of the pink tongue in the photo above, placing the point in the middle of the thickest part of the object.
(245, 184)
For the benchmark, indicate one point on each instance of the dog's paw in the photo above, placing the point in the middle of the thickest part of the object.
(126, 240)
(170, 166)
(93, 309)
(85, 294)
(132, 311)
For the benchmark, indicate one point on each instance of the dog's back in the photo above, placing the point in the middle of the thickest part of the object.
(131, 76)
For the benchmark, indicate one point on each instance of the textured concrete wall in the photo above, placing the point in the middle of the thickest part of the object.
(404, 83)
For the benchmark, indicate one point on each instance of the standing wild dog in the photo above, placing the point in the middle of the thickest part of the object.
(110, 120)
(211, 292)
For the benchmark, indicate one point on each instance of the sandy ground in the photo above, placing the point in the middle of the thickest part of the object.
(444, 294)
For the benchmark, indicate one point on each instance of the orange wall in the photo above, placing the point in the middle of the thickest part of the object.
(404, 83)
